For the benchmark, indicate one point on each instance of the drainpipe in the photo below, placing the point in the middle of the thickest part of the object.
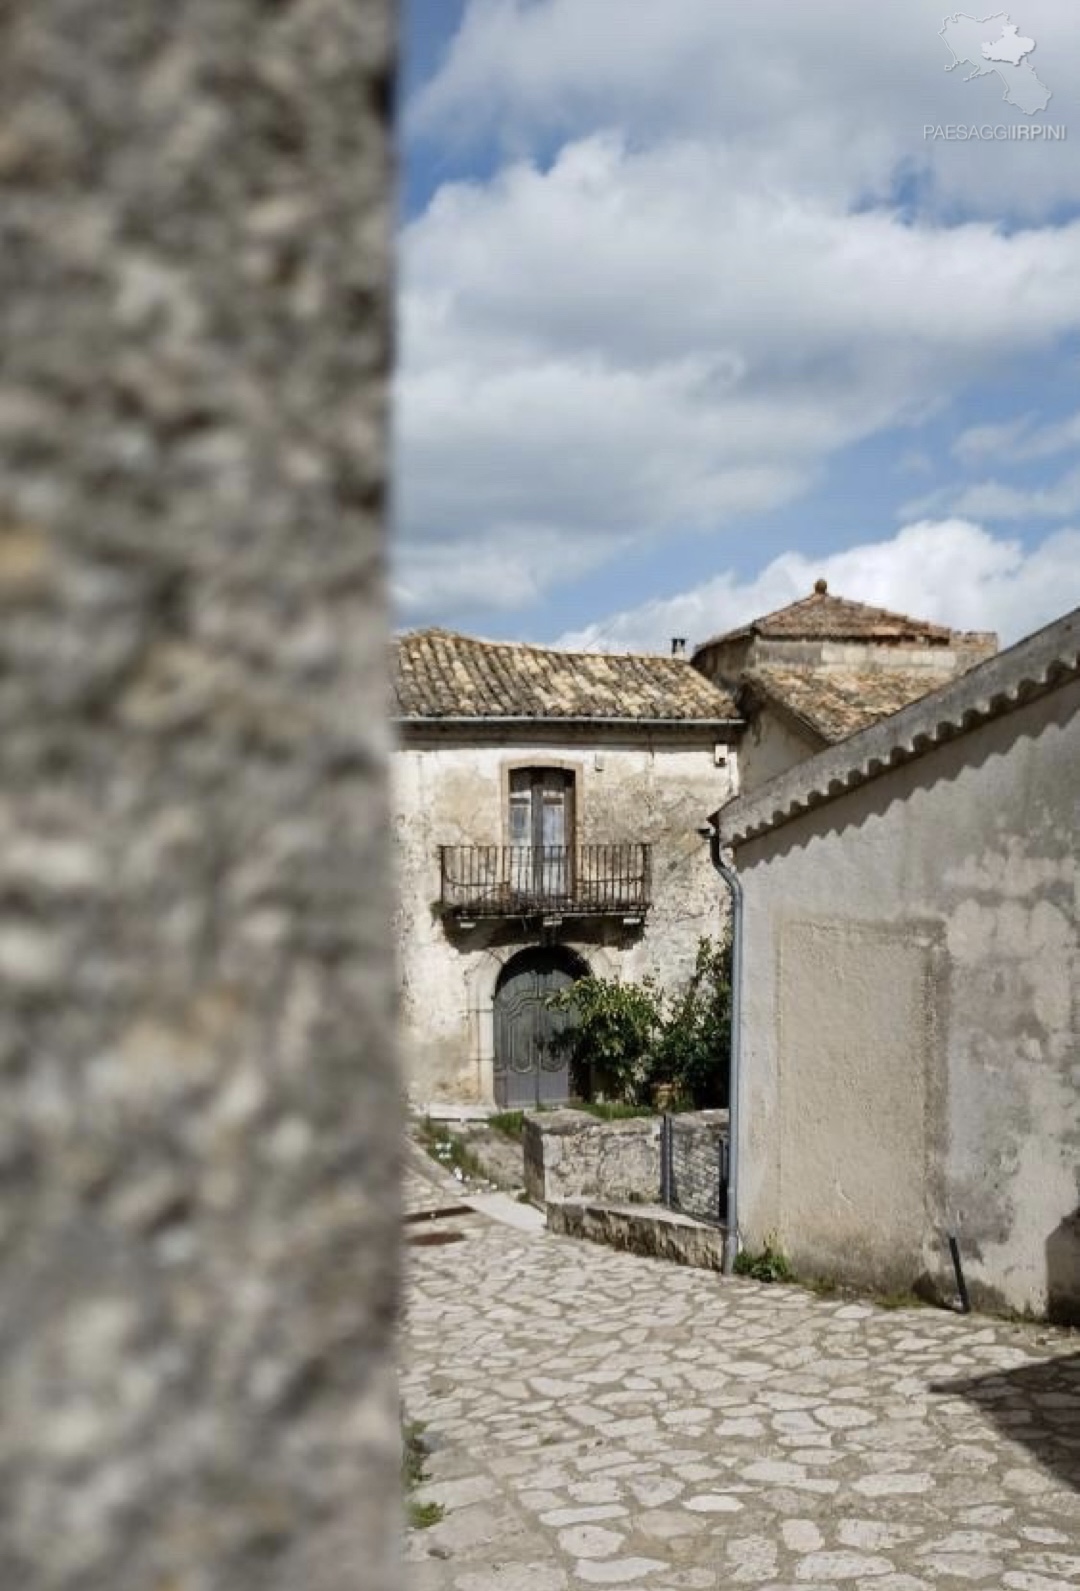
(734, 888)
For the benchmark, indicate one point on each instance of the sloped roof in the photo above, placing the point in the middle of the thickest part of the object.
(835, 702)
(824, 617)
(1042, 663)
(439, 675)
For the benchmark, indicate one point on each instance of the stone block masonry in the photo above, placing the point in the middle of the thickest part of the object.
(198, 1119)
(572, 1155)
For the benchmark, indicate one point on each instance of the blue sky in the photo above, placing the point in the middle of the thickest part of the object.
(692, 311)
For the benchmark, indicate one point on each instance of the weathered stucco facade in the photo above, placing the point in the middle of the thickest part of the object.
(770, 745)
(636, 749)
(548, 815)
(823, 668)
(910, 1026)
(633, 787)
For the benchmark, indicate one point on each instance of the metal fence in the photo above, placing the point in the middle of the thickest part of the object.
(509, 880)
(694, 1168)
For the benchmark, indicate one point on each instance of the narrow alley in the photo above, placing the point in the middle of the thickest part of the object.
(596, 1419)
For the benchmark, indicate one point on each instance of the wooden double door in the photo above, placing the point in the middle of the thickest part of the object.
(531, 1067)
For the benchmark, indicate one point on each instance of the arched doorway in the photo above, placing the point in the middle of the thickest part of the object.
(530, 1069)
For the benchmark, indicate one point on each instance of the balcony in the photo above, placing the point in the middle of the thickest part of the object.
(546, 881)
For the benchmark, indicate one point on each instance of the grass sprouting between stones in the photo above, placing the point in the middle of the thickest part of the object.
(613, 1110)
(509, 1122)
(414, 1452)
(448, 1150)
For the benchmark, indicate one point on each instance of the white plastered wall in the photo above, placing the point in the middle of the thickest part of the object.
(770, 747)
(910, 1027)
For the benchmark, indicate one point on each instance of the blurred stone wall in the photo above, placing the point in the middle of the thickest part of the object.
(197, 1103)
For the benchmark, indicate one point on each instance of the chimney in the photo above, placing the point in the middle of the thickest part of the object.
(678, 646)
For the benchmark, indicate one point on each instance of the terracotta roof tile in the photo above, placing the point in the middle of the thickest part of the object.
(824, 617)
(1045, 662)
(835, 702)
(440, 675)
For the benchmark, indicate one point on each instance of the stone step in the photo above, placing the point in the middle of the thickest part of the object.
(646, 1229)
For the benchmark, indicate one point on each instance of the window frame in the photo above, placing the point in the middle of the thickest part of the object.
(539, 766)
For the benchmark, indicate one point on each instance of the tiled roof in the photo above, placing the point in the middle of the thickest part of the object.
(823, 617)
(835, 702)
(1044, 662)
(440, 675)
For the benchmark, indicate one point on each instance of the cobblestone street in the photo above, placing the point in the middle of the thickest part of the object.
(596, 1419)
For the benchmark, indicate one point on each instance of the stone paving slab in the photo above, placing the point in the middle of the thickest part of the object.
(426, 1193)
(599, 1419)
(426, 1185)
(511, 1212)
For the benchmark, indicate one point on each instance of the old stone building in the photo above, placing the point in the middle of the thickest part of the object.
(822, 668)
(910, 1030)
(548, 811)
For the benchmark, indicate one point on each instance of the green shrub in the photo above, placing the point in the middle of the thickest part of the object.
(611, 1036)
(770, 1265)
(626, 1039)
(695, 1040)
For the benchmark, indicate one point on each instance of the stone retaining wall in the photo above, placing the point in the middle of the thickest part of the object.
(572, 1155)
(659, 1234)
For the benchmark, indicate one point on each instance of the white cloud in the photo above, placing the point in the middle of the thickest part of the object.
(950, 571)
(703, 287)
(1019, 440)
(1061, 437)
(916, 461)
(997, 440)
(831, 97)
(501, 570)
(637, 342)
(994, 500)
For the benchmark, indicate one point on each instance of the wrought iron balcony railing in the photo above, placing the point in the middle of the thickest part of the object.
(554, 880)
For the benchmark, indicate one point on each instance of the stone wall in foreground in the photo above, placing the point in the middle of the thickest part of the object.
(572, 1155)
(197, 1101)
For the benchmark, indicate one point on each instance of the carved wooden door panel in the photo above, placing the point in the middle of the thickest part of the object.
(530, 1069)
